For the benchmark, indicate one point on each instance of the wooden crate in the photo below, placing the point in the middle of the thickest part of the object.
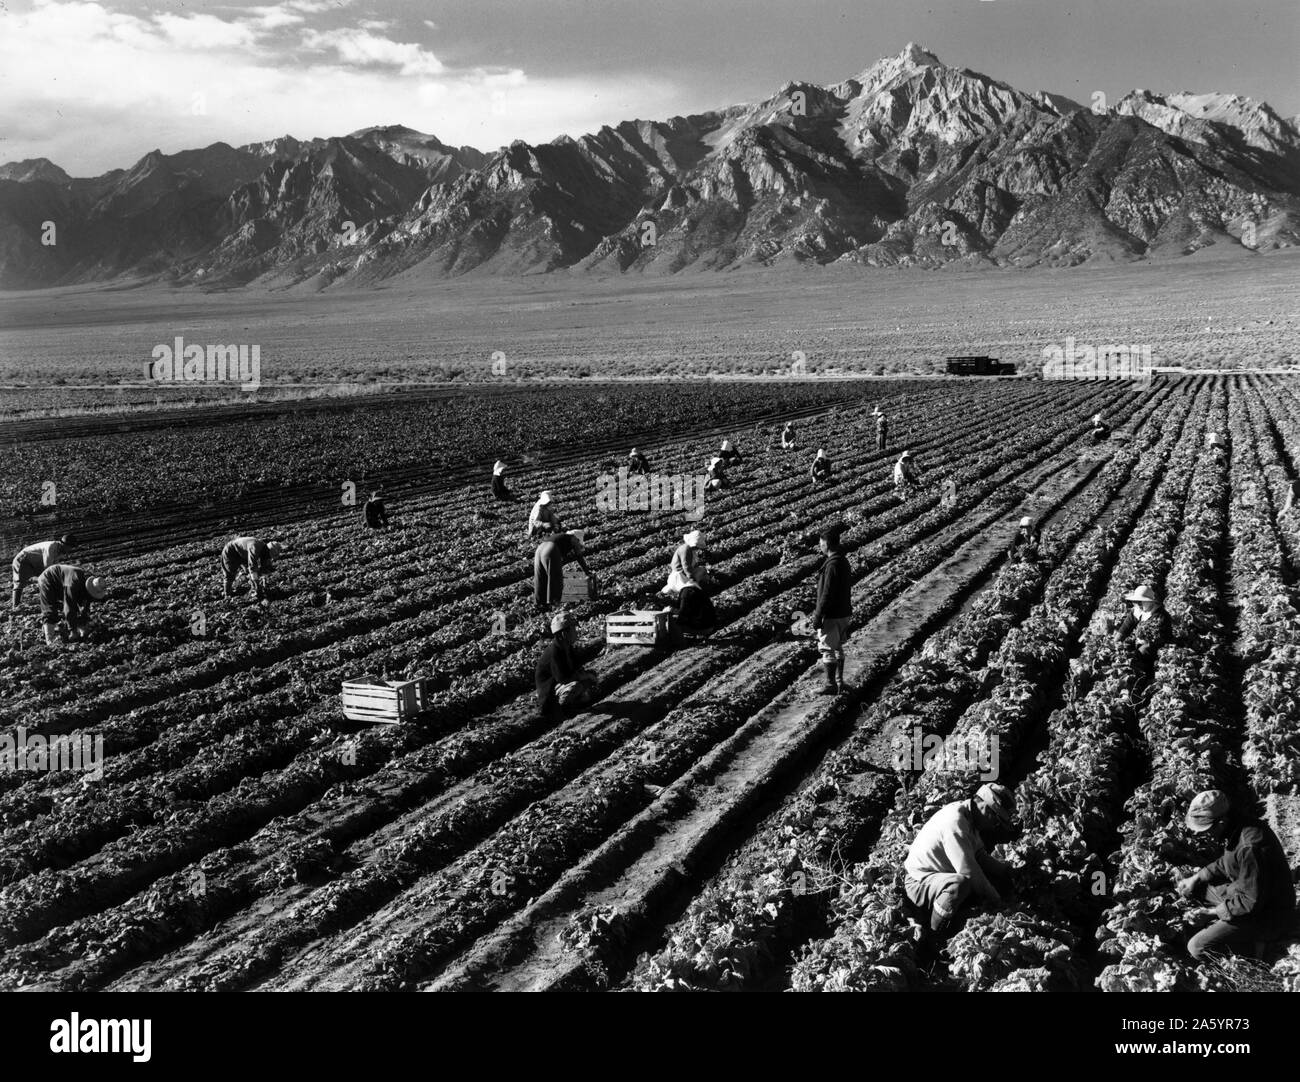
(384, 704)
(640, 628)
(578, 587)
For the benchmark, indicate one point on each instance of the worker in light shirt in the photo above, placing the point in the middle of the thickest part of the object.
(949, 861)
(34, 559)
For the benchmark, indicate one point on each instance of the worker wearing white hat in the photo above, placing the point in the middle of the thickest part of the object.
(1024, 546)
(788, 437)
(906, 474)
(66, 594)
(1249, 887)
(729, 454)
(821, 467)
(499, 488)
(548, 566)
(560, 679)
(689, 582)
(949, 861)
(542, 519)
(1100, 429)
(882, 429)
(251, 556)
(1145, 621)
(637, 463)
(717, 473)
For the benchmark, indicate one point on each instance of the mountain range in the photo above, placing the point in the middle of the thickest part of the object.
(911, 162)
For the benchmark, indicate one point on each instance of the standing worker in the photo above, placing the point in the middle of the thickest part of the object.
(834, 607)
(729, 454)
(637, 463)
(1249, 886)
(499, 489)
(560, 679)
(905, 474)
(548, 566)
(1100, 429)
(882, 429)
(252, 556)
(375, 511)
(688, 581)
(787, 437)
(32, 560)
(948, 861)
(821, 467)
(542, 519)
(66, 594)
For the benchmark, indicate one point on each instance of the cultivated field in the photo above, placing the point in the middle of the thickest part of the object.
(1212, 310)
(709, 821)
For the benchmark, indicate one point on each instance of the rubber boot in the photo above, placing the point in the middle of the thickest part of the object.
(829, 687)
(13, 604)
(51, 635)
(839, 673)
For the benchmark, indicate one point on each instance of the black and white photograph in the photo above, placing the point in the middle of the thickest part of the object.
(591, 496)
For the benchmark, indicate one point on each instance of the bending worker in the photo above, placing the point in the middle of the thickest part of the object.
(948, 861)
(560, 680)
(499, 489)
(548, 566)
(729, 454)
(66, 594)
(34, 559)
(542, 519)
(1248, 887)
(251, 556)
(375, 511)
(1100, 429)
(905, 474)
(821, 467)
(637, 463)
(717, 473)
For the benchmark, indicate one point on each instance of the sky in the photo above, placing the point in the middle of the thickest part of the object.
(96, 84)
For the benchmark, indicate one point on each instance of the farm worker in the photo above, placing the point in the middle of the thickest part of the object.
(250, 555)
(548, 566)
(717, 473)
(66, 594)
(560, 679)
(34, 559)
(948, 860)
(1249, 887)
(830, 618)
(1218, 444)
(499, 489)
(882, 429)
(821, 467)
(542, 518)
(688, 581)
(905, 473)
(1144, 621)
(787, 436)
(637, 463)
(1100, 429)
(1292, 497)
(729, 454)
(1024, 546)
(376, 512)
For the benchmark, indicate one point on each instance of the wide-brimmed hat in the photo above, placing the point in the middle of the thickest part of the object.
(996, 801)
(1215, 439)
(67, 540)
(1142, 593)
(581, 535)
(274, 546)
(694, 539)
(726, 445)
(96, 587)
(634, 451)
(545, 497)
(821, 453)
(498, 466)
(1206, 809)
(1026, 521)
(906, 454)
(876, 412)
(561, 620)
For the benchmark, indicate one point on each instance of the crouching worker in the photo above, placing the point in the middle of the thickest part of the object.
(834, 609)
(788, 437)
(1024, 546)
(948, 862)
(637, 463)
(821, 467)
(688, 584)
(31, 561)
(1249, 887)
(251, 556)
(717, 473)
(548, 566)
(66, 594)
(561, 681)
(375, 511)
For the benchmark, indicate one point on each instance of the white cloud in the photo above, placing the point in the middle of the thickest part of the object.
(362, 47)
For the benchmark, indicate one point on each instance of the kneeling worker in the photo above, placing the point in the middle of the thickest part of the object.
(948, 861)
(821, 467)
(561, 681)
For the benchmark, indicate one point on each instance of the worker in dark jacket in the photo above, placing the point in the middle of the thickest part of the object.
(1100, 429)
(729, 454)
(1249, 886)
(66, 593)
(1024, 546)
(834, 607)
(821, 467)
(787, 437)
(499, 489)
(32, 560)
(251, 556)
(637, 463)
(1145, 625)
(376, 513)
(548, 566)
(882, 429)
(560, 679)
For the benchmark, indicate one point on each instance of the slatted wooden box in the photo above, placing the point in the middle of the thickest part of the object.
(385, 704)
(578, 587)
(640, 628)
